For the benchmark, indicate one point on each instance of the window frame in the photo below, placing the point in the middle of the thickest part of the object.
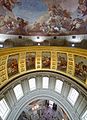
(19, 96)
(7, 111)
(57, 86)
(30, 84)
(70, 98)
(44, 84)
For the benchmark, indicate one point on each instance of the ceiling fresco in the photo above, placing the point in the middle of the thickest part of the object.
(59, 17)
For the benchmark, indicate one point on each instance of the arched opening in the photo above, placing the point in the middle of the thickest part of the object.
(43, 95)
(43, 109)
(42, 85)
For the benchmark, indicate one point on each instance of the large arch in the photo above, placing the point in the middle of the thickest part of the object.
(16, 107)
(43, 94)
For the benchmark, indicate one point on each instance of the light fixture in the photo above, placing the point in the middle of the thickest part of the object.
(75, 38)
(55, 37)
(38, 38)
(38, 44)
(1, 45)
(73, 45)
(35, 107)
(20, 37)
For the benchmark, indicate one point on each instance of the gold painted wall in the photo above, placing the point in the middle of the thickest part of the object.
(71, 62)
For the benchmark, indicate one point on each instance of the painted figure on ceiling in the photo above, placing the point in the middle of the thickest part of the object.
(46, 16)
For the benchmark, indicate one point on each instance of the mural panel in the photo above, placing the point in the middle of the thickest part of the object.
(46, 60)
(27, 17)
(62, 61)
(81, 68)
(12, 65)
(30, 60)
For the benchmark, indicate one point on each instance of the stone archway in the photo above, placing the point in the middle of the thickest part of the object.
(42, 94)
(17, 106)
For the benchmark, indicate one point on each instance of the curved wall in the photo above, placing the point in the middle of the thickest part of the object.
(71, 62)
(18, 65)
(74, 112)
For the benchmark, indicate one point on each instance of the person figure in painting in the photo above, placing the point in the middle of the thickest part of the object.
(46, 61)
(84, 71)
(62, 63)
(30, 62)
(14, 65)
(81, 70)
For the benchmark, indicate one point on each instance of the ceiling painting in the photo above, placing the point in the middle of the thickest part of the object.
(27, 17)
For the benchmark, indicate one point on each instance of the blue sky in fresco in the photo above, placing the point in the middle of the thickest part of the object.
(30, 10)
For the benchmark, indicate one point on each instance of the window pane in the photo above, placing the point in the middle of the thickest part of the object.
(73, 95)
(18, 91)
(4, 109)
(58, 86)
(45, 82)
(84, 117)
(32, 84)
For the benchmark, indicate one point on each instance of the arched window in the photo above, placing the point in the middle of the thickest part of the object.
(4, 109)
(32, 84)
(58, 86)
(72, 96)
(18, 91)
(45, 82)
